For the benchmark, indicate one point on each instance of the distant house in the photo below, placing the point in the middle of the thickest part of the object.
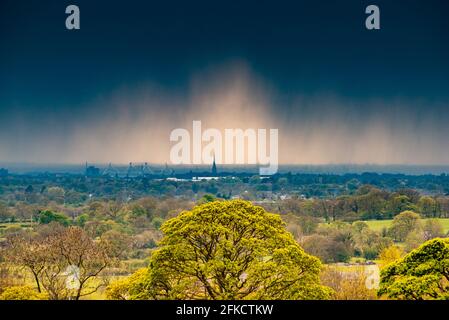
(174, 179)
(92, 171)
(204, 178)
(3, 172)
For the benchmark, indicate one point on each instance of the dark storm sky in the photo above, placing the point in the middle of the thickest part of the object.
(299, 58)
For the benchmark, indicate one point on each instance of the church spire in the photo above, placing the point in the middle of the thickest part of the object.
(214, 168)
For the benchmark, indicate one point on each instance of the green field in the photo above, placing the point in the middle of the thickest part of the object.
(14, 224)
(378, 225)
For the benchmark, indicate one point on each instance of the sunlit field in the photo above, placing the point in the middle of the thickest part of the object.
(379, 225)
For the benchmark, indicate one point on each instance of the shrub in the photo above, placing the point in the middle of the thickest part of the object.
(22, 293)
(48, 216)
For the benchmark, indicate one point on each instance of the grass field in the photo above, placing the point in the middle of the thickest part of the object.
(14, 224)
(378, 225)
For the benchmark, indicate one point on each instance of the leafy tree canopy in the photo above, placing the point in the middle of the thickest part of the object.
(229, 250)
(403, 224)
(421, 274)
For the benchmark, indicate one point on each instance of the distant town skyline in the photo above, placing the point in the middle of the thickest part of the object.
(113, 90)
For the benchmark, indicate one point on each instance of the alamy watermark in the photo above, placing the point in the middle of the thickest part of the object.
(72, 281)
(372, 274)
(232, 146)
(72, 21)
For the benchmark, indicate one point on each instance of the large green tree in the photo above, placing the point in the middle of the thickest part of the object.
(421, 274)
(229, 250)
(428, 207)
(403, 224)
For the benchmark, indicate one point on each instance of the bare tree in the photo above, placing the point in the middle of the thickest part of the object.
(28, 253)
(66, 255)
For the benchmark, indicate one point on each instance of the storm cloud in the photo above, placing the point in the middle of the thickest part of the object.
(133, 125)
